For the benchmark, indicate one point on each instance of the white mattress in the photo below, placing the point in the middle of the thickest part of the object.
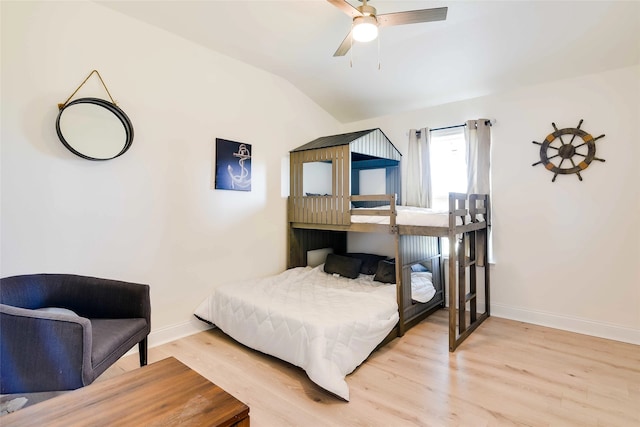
(325, 324)
(409, 215)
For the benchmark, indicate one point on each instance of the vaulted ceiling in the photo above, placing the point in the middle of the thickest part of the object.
(482, 47)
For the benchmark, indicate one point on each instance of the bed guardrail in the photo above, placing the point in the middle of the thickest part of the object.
(337, 210)
(479, 205)
(386, 199)
(328, 210)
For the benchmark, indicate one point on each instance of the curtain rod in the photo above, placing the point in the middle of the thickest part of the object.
(448, 127)
(486, 122)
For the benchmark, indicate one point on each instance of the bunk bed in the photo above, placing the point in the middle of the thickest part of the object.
(324, 219)
(328, 323)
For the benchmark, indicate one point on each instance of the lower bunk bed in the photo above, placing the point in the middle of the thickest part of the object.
(312, 317)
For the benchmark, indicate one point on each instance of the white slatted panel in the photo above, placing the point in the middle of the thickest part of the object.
(376, 144)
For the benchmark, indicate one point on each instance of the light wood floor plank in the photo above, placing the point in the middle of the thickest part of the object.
(506, 373)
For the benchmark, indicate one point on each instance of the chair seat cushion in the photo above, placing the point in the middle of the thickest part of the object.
(114, 337)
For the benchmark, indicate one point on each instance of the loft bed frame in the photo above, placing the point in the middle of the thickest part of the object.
(321, 221)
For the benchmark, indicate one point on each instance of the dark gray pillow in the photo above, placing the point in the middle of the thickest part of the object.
(369, 261)
(386, 272)
(342, 265)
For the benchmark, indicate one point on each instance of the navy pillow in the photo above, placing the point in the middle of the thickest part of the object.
(342, 265)
(386, 272)
(369, 261)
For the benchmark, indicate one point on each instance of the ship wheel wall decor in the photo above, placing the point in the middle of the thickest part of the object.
(585, 148)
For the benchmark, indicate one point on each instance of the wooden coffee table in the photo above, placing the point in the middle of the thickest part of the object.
(165, 393)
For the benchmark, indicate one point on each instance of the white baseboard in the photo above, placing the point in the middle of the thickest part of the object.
(566, 323)
(572, 324)
(173, 332)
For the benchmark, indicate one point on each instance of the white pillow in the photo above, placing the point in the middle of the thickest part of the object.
(317, 256)
(422, 289)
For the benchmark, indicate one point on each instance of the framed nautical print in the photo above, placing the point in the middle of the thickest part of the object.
(233, 165)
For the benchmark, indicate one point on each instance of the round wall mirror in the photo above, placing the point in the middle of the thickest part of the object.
(94, 129)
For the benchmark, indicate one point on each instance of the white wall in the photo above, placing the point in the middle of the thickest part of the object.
(566, 253)
(150, 216)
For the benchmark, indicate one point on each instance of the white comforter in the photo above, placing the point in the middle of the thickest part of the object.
(409, 215)
(325, 324)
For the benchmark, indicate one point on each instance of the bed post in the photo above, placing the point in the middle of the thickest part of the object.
(452, 273)
(399, 285)
(487, 219)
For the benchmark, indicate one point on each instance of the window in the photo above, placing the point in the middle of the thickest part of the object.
(448, 165)
(448, 161)
(448, 169)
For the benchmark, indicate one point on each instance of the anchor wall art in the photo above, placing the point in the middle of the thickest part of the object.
(233, 165)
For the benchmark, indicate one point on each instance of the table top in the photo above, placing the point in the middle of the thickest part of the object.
(161, 394)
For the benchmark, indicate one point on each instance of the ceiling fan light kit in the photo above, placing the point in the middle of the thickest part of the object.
(365, 28)
(366, 21)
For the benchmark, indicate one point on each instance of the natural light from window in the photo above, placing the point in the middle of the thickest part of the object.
(448, 169)
(448, 165)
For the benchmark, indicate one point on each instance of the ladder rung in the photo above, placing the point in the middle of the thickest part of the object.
(470, 296)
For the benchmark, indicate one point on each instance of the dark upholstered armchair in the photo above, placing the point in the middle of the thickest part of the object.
(44, 347)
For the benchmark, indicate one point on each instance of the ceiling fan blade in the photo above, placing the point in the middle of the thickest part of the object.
(345, 7)
(344, 46)
(412, 17)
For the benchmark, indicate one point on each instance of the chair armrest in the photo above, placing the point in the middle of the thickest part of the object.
(51, 344)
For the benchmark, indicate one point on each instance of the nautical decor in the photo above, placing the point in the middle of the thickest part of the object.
(233, 165)
(584, 148)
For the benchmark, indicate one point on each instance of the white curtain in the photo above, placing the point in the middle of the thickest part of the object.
(419, 168)
(478, 141)
(477, 134)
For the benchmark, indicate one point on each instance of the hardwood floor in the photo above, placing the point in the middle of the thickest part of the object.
(506, 373)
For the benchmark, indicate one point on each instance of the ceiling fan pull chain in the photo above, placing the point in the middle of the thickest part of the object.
(378, 53)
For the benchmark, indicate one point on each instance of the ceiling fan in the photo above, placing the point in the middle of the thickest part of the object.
(366, 22)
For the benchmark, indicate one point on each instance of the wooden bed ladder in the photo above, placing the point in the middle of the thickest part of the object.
(466, 257)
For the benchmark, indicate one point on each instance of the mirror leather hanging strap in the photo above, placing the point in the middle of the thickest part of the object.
(61, 106)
